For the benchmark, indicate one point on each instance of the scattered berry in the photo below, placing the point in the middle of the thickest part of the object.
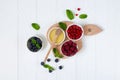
(50, 71)
(48, 59)
(60, 67)
(42, 63)
(78, 9)
(56, 60)
(76, 14)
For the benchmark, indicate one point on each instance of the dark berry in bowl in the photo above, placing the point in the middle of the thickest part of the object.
(69, 48)
(34, 44)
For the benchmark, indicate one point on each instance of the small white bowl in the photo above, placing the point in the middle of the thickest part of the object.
(80, 36)
(61, 48)
(53, 29)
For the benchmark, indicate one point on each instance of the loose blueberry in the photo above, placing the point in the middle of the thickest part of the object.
(50, 71)
(60, 67)
(48, 60)
(56, 60)
(42, 63)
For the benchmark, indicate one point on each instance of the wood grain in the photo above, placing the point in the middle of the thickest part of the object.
(91, 29)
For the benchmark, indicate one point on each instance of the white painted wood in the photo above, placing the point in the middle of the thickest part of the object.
(8, 40)
(98, 60)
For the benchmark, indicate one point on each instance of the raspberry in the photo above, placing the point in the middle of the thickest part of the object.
(78, 9)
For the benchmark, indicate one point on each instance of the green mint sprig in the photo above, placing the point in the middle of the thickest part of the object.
(62, 25)
(35, 26)
(69, 14)
(56, 53)
(48, 67)
(35, 43)
(83, 16)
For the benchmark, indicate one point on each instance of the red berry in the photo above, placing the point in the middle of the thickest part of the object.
(78, 9)
(70, 49)
(76, 14)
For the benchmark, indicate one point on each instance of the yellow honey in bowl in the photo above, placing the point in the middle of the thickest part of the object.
(60, 37)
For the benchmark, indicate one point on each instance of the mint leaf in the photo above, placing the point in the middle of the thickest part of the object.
(33, 41)
(56, 53)
(35, 26)
(83, 16)
(38, 46)
(70, 14)
(62, 25)
(48, 66)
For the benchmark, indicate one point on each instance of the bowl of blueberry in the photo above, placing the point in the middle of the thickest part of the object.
(34, 44)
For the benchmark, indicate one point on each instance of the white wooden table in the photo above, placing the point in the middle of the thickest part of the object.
(98, 60)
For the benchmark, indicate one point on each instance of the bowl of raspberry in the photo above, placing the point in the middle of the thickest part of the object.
(74, 32)
(69, 48)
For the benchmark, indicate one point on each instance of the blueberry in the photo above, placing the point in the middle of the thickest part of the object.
(50, 71)
(33, 45)
(31, 49)
(35, 50)
(48, 59)
(35, 38)
(60, 67)
(42, 63)
(29, 45)
(39, 41)
(56, 60)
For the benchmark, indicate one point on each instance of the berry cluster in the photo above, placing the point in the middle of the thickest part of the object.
(74, 32)
(69, 48)
(34, 44)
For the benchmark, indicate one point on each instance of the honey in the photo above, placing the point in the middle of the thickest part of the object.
(60, 38)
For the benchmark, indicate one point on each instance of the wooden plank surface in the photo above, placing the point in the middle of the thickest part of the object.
(98, 59)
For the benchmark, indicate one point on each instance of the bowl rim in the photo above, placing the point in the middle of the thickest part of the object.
(78, 26)
(53, 29)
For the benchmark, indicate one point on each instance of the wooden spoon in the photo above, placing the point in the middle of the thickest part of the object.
(57, 33)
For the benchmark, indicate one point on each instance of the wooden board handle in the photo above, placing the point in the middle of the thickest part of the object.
(91, 29)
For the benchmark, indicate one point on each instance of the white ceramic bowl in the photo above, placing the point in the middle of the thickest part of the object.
(79, 37)
(61, 48)
(53, 29)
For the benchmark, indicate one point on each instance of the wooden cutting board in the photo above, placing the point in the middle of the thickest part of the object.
(79, 42)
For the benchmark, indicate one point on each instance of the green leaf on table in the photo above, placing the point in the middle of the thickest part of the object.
(83, 16)
(62, 25)
(35, 26)
(69, 14)
(48, 66)
(56, 53)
